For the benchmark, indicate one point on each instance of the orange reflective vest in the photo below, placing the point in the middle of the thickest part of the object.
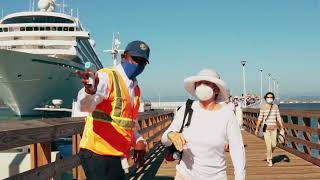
(109, 128)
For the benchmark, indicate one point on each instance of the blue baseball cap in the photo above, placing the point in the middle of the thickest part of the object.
(138, 48)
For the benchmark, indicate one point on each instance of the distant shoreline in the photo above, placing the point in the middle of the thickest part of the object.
(300, 102)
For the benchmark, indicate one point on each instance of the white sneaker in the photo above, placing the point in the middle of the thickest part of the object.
(270, 164)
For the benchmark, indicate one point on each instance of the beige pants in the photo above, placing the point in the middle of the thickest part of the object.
(270, 137)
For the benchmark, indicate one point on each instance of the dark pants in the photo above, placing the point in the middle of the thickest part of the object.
(98, 167)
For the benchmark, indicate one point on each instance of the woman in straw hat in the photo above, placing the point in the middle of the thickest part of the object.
(212, 124)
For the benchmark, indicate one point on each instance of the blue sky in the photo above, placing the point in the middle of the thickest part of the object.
(280, 36)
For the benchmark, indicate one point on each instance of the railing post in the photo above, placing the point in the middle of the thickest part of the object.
(78, 172)
(40, 154)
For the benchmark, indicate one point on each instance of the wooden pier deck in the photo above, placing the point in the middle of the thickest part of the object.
(298, 159)
(286, 165)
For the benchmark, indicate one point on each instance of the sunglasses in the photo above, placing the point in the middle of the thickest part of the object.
(140, 60)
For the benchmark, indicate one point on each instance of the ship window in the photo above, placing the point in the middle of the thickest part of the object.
(65, 29)
(41, 28)
(29, 28)
(42, 38)
(22, 28)
(53, 28)
(36, 28)
(41, 47)
(5, 29)
(0, 29)
(36, 19)
(15, 38)
(71, 28)
(48, 28)
(59, 28)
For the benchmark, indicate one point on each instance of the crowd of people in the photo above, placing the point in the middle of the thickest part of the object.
(245, 101)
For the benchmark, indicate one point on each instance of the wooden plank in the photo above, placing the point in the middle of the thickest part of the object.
(49, 170)
(286, 165)
(17, 134)
(304, 142)
(302, 128)
(40, 154)
(144, 130)
(290, 112)
(77, 171)
(147, 115)
(34, 131)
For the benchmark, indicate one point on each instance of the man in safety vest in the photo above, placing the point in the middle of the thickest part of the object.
(113, 104)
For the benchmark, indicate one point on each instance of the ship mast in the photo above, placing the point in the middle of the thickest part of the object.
(115, 48)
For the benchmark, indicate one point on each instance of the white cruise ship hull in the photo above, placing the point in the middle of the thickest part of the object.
(29, 80)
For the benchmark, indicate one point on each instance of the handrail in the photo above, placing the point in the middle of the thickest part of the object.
(302, 131)
(40, 133)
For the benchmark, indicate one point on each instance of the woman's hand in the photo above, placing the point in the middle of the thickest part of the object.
(256, 132)
(177, 139)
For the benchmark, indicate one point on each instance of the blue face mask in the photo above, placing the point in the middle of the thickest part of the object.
(132, 70)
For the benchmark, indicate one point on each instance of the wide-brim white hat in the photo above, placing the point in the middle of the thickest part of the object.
(207, 75)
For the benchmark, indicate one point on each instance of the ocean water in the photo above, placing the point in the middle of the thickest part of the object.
(301, 106)
(6, 114)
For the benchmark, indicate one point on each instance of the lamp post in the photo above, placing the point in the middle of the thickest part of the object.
(269, 82)
(274, 86)
(243, 63)
(261, 84)
(278, 91)
(159, 98)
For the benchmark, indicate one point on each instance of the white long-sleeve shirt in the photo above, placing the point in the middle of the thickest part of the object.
(87, 102)
(203, 155)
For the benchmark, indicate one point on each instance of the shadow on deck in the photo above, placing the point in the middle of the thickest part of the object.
(286, 165)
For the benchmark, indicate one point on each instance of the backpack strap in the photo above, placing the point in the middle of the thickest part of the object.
(265, 120)
(188, 111)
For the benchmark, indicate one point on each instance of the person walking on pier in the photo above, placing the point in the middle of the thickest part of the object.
(212, 124)
(113, 105)
(269, 116)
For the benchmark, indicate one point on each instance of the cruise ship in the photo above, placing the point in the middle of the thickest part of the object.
(39, 53)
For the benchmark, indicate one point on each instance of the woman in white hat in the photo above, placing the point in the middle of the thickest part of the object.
(212, 124)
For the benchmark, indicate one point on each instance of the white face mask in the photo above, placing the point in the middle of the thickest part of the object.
(204, 92)
(269, 100)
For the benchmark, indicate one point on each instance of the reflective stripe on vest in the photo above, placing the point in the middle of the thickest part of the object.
(109, 128)
(118, 105)
(102, 116)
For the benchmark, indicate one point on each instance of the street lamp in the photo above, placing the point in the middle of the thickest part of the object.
(159, 98)
(278, 91)
(269, 82)
(274, 86)
(243, 63)
(260, 84)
